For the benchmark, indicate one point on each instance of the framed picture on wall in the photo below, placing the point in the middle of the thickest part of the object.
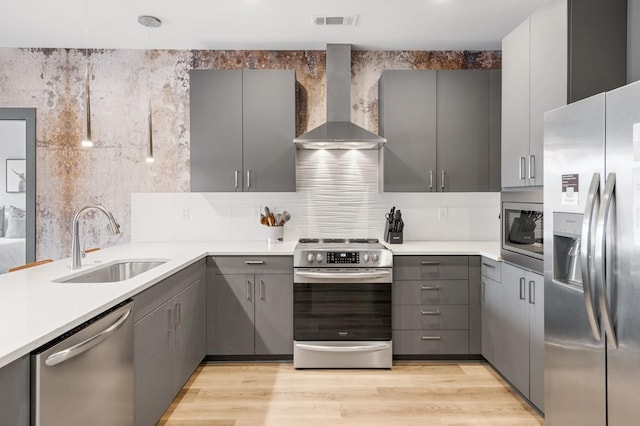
(16, 175)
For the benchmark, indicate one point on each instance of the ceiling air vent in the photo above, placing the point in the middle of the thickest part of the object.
(336, 20)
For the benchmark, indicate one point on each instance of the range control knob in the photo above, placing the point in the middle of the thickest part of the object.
(310, 257)
(374, 257)
(319, 257)
(365, 257)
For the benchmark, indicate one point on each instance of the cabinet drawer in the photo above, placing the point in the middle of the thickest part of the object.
(430, 267)
(426, 342)
(254, 265)
(491, 269)
(430, 317)
(153, 297)
(447, 292)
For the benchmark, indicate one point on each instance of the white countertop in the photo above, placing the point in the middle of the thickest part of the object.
(36, 310)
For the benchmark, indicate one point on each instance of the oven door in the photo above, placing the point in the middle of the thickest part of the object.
(341, 309)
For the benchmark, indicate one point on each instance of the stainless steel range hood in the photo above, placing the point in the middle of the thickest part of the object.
(339, 132)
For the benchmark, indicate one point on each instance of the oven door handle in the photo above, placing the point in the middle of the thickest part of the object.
(343, 275)
(323, 348)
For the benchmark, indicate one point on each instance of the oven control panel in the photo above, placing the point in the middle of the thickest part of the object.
(346, 258)
(343, 257)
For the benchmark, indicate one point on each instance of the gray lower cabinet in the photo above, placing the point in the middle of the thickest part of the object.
(242, 130)
(169, 340)
(251, 312)
(492, 315)
(522, 350)
(442, 129)
(15, 393)
(432, 305)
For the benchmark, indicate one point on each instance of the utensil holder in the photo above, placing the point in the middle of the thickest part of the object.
(395, 238)
(275, 234)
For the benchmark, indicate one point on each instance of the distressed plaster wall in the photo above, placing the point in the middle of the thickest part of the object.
(122, 83)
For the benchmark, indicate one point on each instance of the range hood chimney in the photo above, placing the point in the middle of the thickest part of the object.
(339, 132)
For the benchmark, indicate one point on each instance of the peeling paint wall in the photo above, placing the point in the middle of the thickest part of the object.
(122, 83)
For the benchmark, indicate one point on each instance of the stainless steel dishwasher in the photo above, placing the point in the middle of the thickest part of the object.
(85, 377)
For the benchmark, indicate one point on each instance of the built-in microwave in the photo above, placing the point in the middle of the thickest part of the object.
(522, 229)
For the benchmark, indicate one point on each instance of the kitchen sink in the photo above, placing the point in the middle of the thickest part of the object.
(113, 272)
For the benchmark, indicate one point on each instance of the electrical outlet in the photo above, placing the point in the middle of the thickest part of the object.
(184, 213)
(443, 212)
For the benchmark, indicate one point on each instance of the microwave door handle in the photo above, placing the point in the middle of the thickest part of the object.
(587, 244)
(600, 251)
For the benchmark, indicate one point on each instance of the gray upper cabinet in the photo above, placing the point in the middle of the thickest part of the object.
(407, 102)
(495, 131)
(564, 52)
(242, 130)
(463, 131)
(216, 130)
(438, 126)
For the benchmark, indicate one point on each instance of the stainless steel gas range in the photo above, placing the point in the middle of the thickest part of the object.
(342, 304)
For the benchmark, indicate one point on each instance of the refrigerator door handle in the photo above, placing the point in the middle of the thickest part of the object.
(592, 205)
(600, 250)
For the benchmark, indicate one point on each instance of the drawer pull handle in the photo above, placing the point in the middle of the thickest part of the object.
(254, 262)
(429, 312)
(424, 288)
(488, 265)
(430, 338)
(429, 262)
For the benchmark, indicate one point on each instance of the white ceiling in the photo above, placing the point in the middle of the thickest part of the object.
(261, 24)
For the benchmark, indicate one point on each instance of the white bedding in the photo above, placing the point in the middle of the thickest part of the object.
(12, 253)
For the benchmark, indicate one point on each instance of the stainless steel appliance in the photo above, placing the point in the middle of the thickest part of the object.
(85, 377)
(592, 260)
(339, 132)
(522, 233)
(342, 304)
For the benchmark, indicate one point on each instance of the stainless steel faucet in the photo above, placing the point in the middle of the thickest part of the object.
(76, 254)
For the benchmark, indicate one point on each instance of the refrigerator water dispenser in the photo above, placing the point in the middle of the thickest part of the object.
(566, 248)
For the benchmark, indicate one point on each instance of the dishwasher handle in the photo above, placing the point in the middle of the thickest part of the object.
(79, 348)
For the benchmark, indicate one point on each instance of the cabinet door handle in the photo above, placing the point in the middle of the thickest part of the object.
(522, 166)
(178, 314)
(236, 178)
(261, 290)
(429, 312)
(482, 293)
(424, 288)
(429, 262)
(442, 180)
(172, 321)
(430, 338)
(248, 179)
(522, 289)
(430, 180)
(532, 292)
(532, 167)
(248, 290)
(254, 262)
(488, 265)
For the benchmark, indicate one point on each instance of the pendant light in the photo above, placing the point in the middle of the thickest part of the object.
(86, 133)
(149, 22)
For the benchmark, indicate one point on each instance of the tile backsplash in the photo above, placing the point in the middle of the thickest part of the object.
(235, 216)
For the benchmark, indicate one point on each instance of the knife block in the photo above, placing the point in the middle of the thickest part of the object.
(395, 238)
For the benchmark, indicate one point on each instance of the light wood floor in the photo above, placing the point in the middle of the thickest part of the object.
(408, 394)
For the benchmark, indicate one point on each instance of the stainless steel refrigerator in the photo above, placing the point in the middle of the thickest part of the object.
(592, 261)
